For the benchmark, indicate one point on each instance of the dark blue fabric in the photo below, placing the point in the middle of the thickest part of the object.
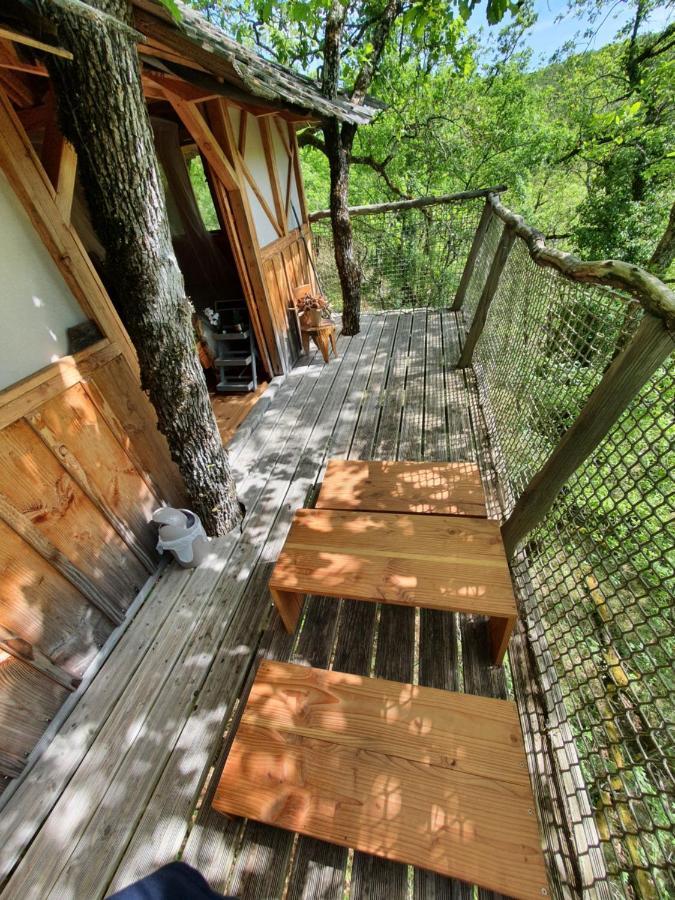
(177, 881)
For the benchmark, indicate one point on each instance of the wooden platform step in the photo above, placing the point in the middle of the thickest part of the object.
(452, 563)
(426, 777)
(410, 487)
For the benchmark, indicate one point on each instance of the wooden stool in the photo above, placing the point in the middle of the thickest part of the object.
(412, 487)
(452, 563)
(321, 335)
(426, 777)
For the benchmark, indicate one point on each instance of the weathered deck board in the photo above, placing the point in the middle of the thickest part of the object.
(385, 396)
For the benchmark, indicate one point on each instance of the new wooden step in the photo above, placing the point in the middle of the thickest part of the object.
(452, 563)
(410, 487)
(418, 775)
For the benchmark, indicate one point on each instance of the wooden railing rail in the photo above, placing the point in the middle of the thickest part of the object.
(418, 203)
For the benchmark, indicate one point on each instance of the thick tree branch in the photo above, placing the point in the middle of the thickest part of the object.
(309, 139)
(391, 11)
(664, 252)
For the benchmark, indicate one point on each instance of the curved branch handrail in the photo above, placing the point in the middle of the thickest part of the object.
(655, 297)
(417, 203)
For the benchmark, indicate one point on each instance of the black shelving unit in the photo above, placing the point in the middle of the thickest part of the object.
(236, 357)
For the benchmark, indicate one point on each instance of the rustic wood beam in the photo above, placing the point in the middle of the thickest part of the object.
(18, 89)
(418, 203)
(652, 293)
(270, 159)
(649, 347)
(299, 181)
(204, 138)
(21, 649)
(27, 41)
(243, 123)
(478, 239)
(487, 295)
(289, 183)
(59, 161)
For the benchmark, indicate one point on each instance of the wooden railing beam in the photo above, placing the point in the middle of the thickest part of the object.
(649, 347)
(478, 239)
(487, 295)
(418, 203)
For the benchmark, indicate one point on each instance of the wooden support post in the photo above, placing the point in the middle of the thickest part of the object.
(270, 159)
(629, 372)
(478, 239)
(489, 290)
(59, 160)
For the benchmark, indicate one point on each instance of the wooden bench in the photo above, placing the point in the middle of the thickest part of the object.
(411, 487)
(436, 562)
(418, 775)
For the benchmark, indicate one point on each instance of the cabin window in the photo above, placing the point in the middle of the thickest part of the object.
(201, 189)
(42, 321)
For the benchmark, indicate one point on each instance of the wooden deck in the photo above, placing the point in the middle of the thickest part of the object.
(126, 784)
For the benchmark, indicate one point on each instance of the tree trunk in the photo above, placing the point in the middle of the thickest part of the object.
(664, 252)
(103, 113)
(338, 141)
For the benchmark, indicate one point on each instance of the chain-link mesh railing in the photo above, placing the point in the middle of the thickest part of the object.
(596, 577)
(600, 568)
(409, 258)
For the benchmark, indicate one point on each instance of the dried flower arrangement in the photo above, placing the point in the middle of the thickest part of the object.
(316, 304)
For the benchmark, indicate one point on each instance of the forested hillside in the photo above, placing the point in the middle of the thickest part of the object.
(586, 155)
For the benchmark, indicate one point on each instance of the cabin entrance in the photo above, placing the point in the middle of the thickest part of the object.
(227, 346)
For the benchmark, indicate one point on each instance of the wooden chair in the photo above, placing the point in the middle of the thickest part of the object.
(323, 334)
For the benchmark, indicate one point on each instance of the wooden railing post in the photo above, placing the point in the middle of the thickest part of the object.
(489, 290)
(649, 347)
(478, 239)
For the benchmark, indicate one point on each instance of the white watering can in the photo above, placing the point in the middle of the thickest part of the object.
(182, 534)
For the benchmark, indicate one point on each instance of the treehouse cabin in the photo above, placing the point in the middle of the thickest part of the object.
(83, 464)
(475, 697)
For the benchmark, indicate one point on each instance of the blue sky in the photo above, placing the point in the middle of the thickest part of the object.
(547, 35)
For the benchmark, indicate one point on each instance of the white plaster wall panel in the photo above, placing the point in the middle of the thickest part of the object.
(265, 231)
(254, 158)
(36, 305)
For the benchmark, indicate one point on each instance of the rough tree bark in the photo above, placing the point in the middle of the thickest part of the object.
(103, 113)
(338, 141)
(338, 144)
(664, 253)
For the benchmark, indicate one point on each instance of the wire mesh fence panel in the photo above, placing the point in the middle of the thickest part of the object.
(409, 258)
(482, 266)
(602, 563)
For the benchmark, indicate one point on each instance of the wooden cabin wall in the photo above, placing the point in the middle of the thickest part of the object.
(82, 467)
(80, 474)
(269, 161)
